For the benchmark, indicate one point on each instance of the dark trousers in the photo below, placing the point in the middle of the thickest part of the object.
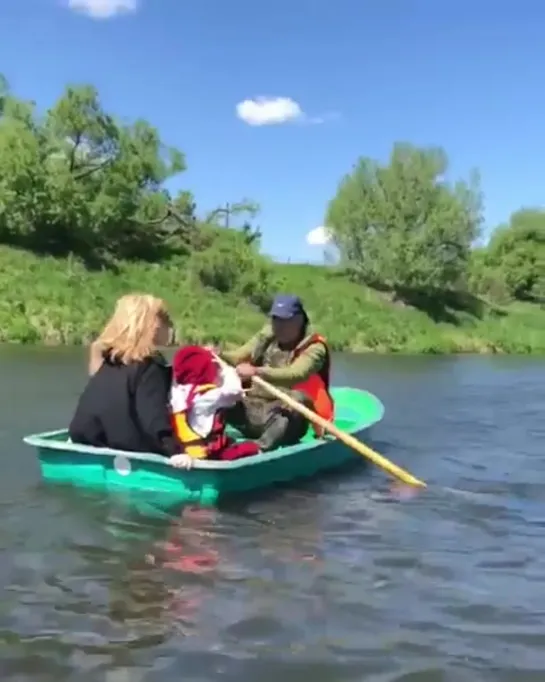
(269, 422)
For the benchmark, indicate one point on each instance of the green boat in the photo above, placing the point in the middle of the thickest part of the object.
(207, 481)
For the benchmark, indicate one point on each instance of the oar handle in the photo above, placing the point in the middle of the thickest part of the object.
(345, 438)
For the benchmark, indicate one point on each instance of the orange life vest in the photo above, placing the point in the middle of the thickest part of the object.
(194, 444)
(316, 387)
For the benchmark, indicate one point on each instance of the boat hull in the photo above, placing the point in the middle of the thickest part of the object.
(152, 475)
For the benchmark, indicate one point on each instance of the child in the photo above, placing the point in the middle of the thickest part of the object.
(202, 387)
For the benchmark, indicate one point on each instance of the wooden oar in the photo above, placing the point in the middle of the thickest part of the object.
(345, 438)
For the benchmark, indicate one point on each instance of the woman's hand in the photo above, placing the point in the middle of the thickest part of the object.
(182, 461)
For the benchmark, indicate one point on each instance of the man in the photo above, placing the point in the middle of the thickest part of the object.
(286, 354)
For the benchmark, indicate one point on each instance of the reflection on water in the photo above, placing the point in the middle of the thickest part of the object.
(334, 579)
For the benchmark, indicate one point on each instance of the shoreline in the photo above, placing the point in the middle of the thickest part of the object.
(539, 354)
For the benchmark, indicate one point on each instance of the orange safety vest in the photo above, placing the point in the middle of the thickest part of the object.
(316, 387)
(195, 445)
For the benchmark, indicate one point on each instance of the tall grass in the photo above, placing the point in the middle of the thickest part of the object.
(58, 301)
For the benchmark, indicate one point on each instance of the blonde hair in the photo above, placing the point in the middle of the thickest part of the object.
(129, 335)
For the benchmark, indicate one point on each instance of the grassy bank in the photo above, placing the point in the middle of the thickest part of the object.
(46, 300)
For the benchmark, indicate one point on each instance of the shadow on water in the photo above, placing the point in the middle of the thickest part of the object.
(111, 568)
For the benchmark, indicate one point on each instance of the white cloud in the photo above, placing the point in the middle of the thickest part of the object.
(103, 9)
(262, 111)
(266, 111)
(319, 236)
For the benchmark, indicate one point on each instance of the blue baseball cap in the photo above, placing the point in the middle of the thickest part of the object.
(286, 306)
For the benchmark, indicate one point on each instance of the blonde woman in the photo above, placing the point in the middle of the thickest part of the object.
(125, 403)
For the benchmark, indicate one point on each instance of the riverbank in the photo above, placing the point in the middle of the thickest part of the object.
(58, 301)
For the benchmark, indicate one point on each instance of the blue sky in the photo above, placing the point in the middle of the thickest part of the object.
(465, 75)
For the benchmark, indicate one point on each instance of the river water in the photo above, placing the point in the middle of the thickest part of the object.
(327, 581)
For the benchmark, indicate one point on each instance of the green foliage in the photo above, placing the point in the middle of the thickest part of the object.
(76, 181)
(85, 217)
(186, 206)
(516, 256)
(58, 300)
(402, 225)
(234, 266)
(485, 280)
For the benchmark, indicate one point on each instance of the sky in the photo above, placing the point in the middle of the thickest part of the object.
(276, 102)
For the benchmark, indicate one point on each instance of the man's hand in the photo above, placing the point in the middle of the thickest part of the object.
(246, 371)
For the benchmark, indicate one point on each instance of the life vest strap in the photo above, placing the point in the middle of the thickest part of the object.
(205, 440)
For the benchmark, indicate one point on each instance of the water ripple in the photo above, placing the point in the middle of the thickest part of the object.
(331, 580)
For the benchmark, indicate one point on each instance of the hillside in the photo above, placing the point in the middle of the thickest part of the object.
(85, 216)
(59, 301)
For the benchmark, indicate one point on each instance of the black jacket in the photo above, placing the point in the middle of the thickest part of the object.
(125, 407)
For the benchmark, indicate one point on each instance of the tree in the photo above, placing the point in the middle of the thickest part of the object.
(402, 225)
(246, 208)
(515, 255)
(185, 206)
(76, 180)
